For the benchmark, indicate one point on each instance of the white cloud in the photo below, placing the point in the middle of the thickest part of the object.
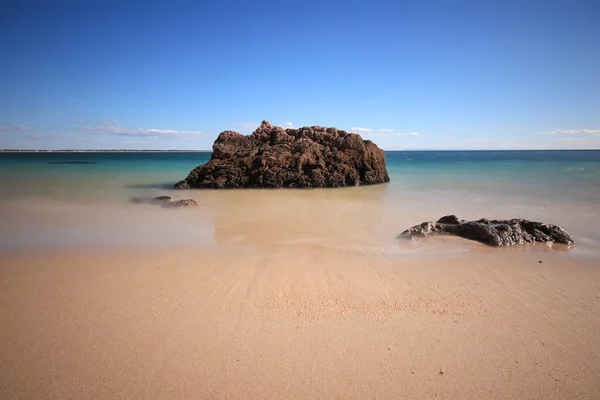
(37, 137)
(287, 125)
(45, 136)
(91, 140)
(245, 126)
(366, 131)
(572, 142)
(133, 141)
(395, 134)
(110, 127)
(569, 131)
(56, 136)
(113, 121)
(16, 128)
(383, 132)
(564, 142)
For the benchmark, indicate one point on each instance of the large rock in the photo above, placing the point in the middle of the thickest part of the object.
(499, 233)
(274, 157)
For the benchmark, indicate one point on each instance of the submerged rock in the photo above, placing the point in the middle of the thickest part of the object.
(274, 157)
(181, 203)
(72, 162)
(498, 233)
(165, 201)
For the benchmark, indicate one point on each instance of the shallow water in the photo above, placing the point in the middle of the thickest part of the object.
(66, 199)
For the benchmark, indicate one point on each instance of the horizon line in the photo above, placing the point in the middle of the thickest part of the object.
(210, 150)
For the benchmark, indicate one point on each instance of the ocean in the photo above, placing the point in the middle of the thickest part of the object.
(83, 199)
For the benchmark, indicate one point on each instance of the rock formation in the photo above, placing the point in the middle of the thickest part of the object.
(273, 157)
(494, 233)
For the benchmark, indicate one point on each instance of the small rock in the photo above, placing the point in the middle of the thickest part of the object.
(162, 198)
(181, 203)
(498, 233)
(165, 201)
(449, 219)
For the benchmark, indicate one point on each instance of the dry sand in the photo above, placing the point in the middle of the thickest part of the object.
(298, 321)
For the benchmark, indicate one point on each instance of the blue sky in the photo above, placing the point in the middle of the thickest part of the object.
(406, 74)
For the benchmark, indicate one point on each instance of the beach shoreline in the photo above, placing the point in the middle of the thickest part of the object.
(296, 293)
(298, 321)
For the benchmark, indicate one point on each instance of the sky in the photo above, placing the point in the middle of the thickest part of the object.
(405, 74)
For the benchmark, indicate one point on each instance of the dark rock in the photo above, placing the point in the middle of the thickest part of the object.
(162, 198)
(449, 219)
(72, 162)
(165, 201)
(181, 203)
(304, 158)
(148, 200)
(421, 231)
(498, 233)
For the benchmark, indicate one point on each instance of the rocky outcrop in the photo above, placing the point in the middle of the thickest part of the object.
(180, 203)
(499, 233)
(273, 157)
(165, 201)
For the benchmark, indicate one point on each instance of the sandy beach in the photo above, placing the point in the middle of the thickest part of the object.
(300, 200)
(299, 321)
(296, 294)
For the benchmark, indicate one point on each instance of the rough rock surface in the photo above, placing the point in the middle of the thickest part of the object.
(274, 157)
(181, 203)
(165, 201)
(499, 233)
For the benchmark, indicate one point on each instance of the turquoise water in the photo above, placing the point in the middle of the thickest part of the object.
(90, 192)
(542, 172)
(567, 174)
(92, 175)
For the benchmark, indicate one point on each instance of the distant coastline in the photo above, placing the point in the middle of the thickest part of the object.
(210, 151)
(102, 151)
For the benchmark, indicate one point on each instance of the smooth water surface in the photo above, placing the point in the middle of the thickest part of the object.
(61, 198)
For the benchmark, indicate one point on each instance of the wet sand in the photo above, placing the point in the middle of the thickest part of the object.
(298, 321)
